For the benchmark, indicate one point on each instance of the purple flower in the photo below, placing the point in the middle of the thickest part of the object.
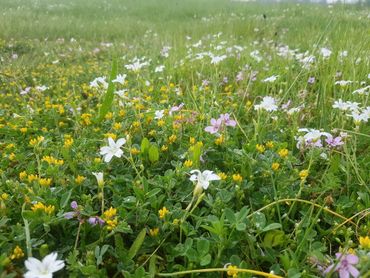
(95, 220)
(345, 266)
(226, 119)
(176, 108)
(239, 76)
(205, 83)
(74, 205)
(214, 127)
(225, 80)
(311, 80)
(334, 142)
(69, 215)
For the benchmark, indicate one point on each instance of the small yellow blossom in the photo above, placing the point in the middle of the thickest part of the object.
(23, 129)
(275, 166)
(270, 144)
(192, 140)
(161, 123)
(365, 242)
(188, 163)
(164, 148)
(17, 253)
(110, 213)
(79, 179)
(163, 212)
(232, 271)
(22, 175)
(97, 160)
(260, 148)
(4, 196)
(45, 182)
(68, 142)
(32, 178)
(117, 126)
(303, 174)
(11, 156)
(283, 153)
(111, 224)
(111, 135)
(220, 140)
(172, 139)
(154, 232)
(222, 175)
(40, 206)
(108, 116)
(237, 178)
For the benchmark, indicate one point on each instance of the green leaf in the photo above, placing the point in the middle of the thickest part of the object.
(145, 144)
(135, 247)
(109, 95)
(205, 260)
(65, 198)
(202, 247)
(152, 266)
(273, 238)
(230, 216)
(241, 226)
(272, 226)
(153, 153)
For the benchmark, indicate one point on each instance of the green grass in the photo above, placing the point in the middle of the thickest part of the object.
(279, 208)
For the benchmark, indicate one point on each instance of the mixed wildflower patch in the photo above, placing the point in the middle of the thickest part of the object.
(242, 153)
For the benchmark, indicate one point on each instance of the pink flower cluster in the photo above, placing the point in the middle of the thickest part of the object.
(218, 124)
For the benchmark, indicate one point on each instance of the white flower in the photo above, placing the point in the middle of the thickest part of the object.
(343, 83)
(325, 52)
(113, 149)
(268, 103)
(99, 81)
(159, 68)
(340, 104)
(44, 268)
(362, 91)
(99, 177)
(271, 79)
(203, 178)
(41, 88)
(159, 114)
(256, 56)
(216, 59)
(120, 78)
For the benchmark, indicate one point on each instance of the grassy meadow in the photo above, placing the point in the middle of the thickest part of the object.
(168, 138)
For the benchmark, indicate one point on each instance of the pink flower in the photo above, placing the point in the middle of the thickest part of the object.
(214, 127)
(345, 266)
(227, 121)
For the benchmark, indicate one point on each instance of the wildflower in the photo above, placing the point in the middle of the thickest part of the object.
(268, 103)
(365, 242)
(159, 114)
(232, 271)
(163, 212)
(275, 166)
(222, 175)
(95, 220)
(214, 127)
(345, 266)
(260, 148)
(79, 179)
(225, 118)
(45, 182)
(17, 253)
(40, 206)
(283, 153)
(334, 142)
(134, 151)
(270, 79)
(237, 178)
(325, 53)
(188, 163)
(120, 78)
(4, 196)
(154, 232)
(32, 178)
(113, 149)
(164, 148)
(202, 179)
(68, 142)
(311, 80)
(110, 213)
(220, 140)
(172, 139)
(270, 144)
(192, 140)
(44, 268)
(176, 108)
(99, 177)
(312, 138)
(303, 174)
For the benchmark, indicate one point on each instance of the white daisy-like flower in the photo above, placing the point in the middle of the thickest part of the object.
(203, 178)
(114, 149)
(268, 103)
(270, 79)
(44, 268)
(158, 114)
(120, 78)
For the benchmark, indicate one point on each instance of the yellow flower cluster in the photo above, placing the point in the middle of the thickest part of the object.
(36, 141)
(40, 206)
(52, 160)
(163, 212)
(260, 148)
(110, 218)
(17, 253)
(232, 271)
(237, 178)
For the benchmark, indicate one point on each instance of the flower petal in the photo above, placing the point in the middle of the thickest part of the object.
(352, 259)
(354, 272)
(120, 142)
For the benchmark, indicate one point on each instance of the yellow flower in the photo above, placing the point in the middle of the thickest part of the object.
(11, 156)
(222, 175)
(17, 253)
(111, 224)
(23, 129)
(122, 113)
(45, 182)
(4, 196)
(303, 174)
(237, 178)
(108, 116)
(270, 144)
(79, 179)
(86, 119)
(220, 140)
(40, 206)
(154, 232)
(163, 212)
(152, 133)
(117, 126)
(112, 135)
(232, 271)
(365, 242)
(110, 213)
(172, 139)
(260, 148)
(188, 163)
(68, 142)
(192, 140)
(161, 123)
(164, 148)
(32, 177)
(134, 151)
(275, 166)
(283, 153)
(97, 160)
